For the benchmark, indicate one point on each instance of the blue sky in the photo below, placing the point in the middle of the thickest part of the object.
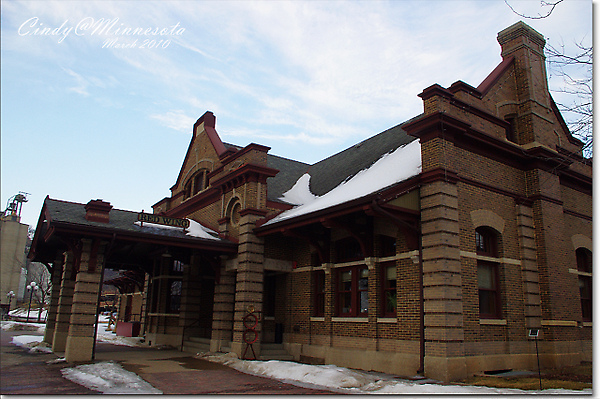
(83, 119)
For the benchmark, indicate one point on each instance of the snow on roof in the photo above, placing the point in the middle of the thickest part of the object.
(195, 229)
(394, 167)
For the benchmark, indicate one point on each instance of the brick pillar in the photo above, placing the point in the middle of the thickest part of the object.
(442, 282)
(249, 281)
(80, 341)
(57, 273)
(223, 311)
(529, 267)
(65, 301)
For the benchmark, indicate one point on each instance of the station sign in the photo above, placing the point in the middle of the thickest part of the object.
(162, 220)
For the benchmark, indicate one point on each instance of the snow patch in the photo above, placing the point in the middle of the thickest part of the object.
(108, 378)
(300, 193)
(195, 230)
(21, 314)
(32, 342)
(402, 163)
(356, 382)
(17, 326)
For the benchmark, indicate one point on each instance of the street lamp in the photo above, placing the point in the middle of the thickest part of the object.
(32, 287)
(9, 295)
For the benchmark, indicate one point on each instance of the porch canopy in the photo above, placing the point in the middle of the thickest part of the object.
(130, 244)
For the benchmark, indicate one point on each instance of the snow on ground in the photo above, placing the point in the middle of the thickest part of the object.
(20, 314)
(33, 342)
(345, 380)
(108, 378)
(105, 335)
(17, 326)
(404, 162)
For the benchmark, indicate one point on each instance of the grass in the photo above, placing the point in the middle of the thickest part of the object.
(575, 378)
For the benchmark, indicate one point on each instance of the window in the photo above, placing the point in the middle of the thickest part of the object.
(175, 296)
(352, 291)
(488, 278)
(348, 250)
(486, 242)
(187, 190)
(584, 265)
(200, 181)
(234, 217)
(319, 293)
(388, 289)
(177, 267)
(511, 132)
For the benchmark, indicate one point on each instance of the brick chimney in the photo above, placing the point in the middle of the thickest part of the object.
(527, 47)
(97, 211)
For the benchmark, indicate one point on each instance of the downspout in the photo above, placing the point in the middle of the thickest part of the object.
(375, 206)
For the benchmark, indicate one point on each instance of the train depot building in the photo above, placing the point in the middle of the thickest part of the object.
(446, 245)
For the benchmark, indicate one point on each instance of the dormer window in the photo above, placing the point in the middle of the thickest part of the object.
(197, 183)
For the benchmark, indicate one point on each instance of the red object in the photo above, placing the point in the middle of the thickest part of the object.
(128, 329)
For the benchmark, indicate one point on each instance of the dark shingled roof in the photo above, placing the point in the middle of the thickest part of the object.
(289, 172)
(330, 172)
(120, 220)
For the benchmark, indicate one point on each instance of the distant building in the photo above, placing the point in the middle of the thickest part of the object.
(13, 238)
(444, 245)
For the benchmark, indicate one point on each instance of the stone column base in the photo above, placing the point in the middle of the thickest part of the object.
(446, 368)
(59, 341)
(48, 335)
(79, 349)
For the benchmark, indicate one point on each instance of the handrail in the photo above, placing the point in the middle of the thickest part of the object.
(183, 332)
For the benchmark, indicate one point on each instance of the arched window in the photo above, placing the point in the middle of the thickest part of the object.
(584, 267)
(200, 181)
(195, 184)
(187, 189)
(488, 274)
(234, 213)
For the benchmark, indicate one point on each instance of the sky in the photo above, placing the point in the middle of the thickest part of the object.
(89, 111)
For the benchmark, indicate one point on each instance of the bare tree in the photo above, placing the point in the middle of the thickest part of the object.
(547, 6)
(574, 69)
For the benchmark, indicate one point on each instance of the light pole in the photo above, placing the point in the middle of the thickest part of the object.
(31, 288)
(9, 295)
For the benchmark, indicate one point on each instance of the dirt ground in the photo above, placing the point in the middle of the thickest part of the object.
(576, 377)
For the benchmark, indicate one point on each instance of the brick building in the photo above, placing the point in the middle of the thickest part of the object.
(436, 246)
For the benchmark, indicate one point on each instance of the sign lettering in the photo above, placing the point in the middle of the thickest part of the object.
(163, 220)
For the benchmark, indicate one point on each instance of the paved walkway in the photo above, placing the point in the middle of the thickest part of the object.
(170, 371)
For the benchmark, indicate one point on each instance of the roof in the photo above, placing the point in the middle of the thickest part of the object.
(331, 172)
(355, 174)
(289, 172)
(73, 214)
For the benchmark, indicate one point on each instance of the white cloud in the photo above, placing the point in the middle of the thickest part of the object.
(81, 83)
(176, 120)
